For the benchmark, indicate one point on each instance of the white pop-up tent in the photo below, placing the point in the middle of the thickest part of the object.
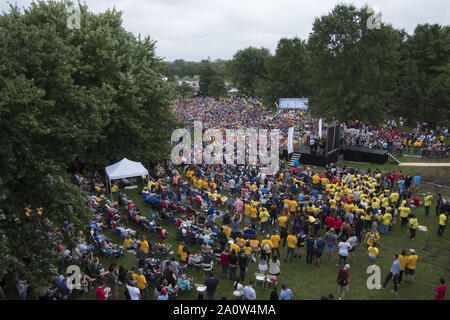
(125, 169)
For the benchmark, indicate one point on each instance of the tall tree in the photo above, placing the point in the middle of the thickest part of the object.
(353, 68)
(287, 71)
(248, 71)
(211, 81)
(423, 77)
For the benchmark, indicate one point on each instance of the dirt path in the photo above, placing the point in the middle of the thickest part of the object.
(425, 164)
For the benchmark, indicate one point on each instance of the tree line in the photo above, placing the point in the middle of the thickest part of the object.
(347, 69)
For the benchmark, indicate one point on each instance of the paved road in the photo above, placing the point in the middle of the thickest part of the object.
(425, 164)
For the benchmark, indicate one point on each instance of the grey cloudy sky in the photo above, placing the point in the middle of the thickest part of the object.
(196, 29)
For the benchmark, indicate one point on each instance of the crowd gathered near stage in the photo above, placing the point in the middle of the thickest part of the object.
(227, 217)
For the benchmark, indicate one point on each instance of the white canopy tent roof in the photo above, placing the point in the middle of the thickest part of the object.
(125, 169)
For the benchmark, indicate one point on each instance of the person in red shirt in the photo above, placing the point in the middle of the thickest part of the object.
(329, 220)
(338, 224)
(100, 293)
(439, 292)
(416, 201)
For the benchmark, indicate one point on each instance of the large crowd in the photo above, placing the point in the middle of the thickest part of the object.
(228, 217)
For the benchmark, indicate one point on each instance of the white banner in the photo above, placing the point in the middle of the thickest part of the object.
(291, 140)
(294, 103)
(319, 134)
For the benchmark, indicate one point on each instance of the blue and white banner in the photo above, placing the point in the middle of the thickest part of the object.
(293, 103)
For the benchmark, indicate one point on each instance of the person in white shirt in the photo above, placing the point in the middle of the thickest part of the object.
(343, 252)
(135, 293)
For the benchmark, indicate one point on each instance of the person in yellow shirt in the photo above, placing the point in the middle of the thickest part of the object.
(127, 242)
(413, 225)
(282, 220)
(372, 237)
(402, 258)
(143, 244)
(442, 223)
(253, 216)
(247, 212)
(410, 268)
(372, 254)
(405, 211)
(264, 218)
(387, 217)
(235, 247)
(275, 238)
(427, 203)
(180, 248)
(184, 254)
(142, 284)
(291, 242)
(267, 246)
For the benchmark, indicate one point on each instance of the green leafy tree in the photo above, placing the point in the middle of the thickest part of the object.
(353, 68)
(247, 69)
(287, 71)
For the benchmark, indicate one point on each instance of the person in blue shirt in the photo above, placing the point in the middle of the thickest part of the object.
(301, 196)
(319, 245)
(163, 295)
(285, 293)
(393, 274)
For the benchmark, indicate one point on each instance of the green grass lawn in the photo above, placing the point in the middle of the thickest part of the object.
(312, 282)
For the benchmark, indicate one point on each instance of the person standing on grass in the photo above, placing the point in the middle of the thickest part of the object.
(427, 203)
(410, 267)
(372, 254)
(309, 249)
(319, 245)
(405, 211)
(439, 292)
(142, 284)
(343, 281)
(442, 223)
(224, 263)
(439, 202)
(393, 274)
(275, 238)
(413, 225)
(331, 239)
(291, 241)
(344, 246)
(402, 258)
(211, 285)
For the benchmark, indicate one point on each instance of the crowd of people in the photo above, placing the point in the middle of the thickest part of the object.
(227, 217)
(422, 141)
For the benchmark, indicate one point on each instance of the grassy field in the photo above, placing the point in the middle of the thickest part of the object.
(312, 282)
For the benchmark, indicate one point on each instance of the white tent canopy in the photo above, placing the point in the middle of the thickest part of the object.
(125, 169)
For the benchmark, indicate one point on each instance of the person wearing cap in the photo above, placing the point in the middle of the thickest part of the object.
(133, 292)
(393, 274)
(163, 295)
(410, 267)
(285, 293)
(343, 281)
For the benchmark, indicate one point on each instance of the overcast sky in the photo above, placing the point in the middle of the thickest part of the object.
(195, 29)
